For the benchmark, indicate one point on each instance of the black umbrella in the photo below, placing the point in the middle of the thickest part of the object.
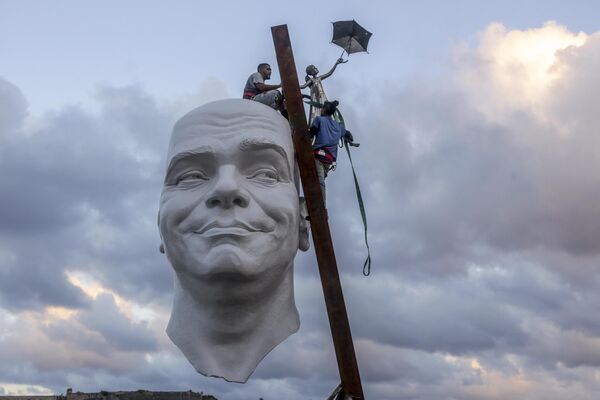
(350, 36)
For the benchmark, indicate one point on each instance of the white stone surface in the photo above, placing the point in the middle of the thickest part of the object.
(230, 225)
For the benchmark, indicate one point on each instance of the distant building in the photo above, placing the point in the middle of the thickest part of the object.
(104, 395)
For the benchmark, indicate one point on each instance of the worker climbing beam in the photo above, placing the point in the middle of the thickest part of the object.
(330, 280)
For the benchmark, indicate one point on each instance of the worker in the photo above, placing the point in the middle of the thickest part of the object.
(327, 132)
(256, 89)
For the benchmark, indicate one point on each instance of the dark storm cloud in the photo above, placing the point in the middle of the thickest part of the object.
(384, 363)
(456, 317)
(71, 162)
(34, 282)
(72, 184)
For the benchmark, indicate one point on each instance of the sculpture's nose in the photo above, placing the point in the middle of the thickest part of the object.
(227, 191)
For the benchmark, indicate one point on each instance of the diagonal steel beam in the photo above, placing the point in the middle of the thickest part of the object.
(330, 279)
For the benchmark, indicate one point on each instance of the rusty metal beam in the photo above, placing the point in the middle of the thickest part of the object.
(330, 279)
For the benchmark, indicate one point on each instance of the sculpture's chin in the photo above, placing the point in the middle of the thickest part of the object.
(237, 256)
(222, 261)
(226, 260)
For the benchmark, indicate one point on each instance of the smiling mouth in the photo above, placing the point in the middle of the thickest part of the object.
(231, 231)
(237, 228)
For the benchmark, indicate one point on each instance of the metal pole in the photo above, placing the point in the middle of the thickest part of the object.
(330, 279)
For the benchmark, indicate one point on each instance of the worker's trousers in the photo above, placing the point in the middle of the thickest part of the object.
(322, 170)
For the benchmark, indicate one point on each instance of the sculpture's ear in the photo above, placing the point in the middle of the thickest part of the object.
(303, 243)
(161, 248)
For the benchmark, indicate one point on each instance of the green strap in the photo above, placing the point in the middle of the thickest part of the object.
(313, 103)
(337, 115)
(361, 205)
(367, 265)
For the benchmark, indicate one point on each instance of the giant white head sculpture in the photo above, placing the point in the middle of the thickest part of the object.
(230, 222)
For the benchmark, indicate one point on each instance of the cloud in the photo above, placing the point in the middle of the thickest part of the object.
(106, 319)
(14, 108)
(76, 187)
(481, 193)
(448, 184)
(513, 70)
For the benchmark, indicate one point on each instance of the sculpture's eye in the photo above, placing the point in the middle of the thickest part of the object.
(192, 177)
(266, 176)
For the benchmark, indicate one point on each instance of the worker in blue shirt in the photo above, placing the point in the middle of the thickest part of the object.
(327, 132)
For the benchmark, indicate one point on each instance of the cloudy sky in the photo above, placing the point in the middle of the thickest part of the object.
(479, 167)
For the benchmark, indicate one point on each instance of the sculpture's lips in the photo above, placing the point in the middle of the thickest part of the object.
(235, 228)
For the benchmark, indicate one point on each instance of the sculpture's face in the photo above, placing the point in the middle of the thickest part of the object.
(229, 206)
(312, 70)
